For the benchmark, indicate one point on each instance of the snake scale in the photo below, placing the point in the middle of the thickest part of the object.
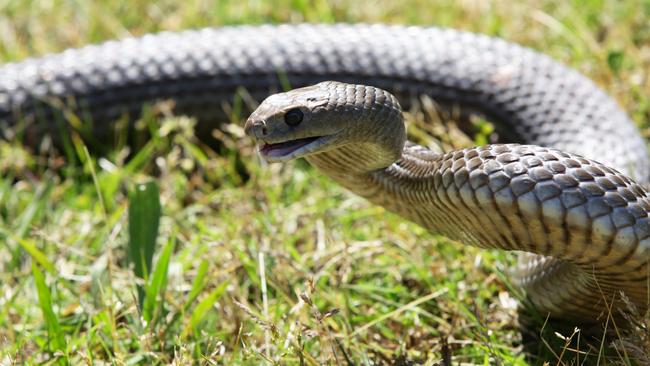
(585, 222)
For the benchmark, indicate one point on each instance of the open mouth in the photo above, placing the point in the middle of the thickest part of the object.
(286, 148)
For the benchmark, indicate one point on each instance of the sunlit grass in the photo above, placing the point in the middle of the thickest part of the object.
(282, 266)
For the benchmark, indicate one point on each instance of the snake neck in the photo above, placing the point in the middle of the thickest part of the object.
(401, 183)
(522, 198)
(405, 185)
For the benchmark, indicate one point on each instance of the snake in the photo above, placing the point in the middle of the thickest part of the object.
(564, 185)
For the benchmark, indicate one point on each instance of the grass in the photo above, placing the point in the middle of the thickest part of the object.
(144, 220)
(284, 267)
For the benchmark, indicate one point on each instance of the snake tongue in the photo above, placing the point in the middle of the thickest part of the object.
(285, 148)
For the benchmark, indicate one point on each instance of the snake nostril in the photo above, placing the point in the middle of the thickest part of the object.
(264, 130)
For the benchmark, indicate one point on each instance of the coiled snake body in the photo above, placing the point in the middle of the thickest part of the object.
(587, 222)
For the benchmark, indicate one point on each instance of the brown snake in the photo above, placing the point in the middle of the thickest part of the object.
(590, 218)
(586, 224)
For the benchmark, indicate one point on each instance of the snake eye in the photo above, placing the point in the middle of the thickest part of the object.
(293, 117)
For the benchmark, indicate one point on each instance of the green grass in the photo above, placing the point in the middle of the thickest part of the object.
(144, 220)
(285, 267)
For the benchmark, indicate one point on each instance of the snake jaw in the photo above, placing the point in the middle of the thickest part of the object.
(289, 150)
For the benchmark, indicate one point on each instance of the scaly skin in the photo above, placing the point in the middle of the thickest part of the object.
(530, 98)
(587, 223)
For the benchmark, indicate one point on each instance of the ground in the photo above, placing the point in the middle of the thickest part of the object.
(275, 264)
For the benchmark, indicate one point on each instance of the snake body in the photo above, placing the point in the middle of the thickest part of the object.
(585, 224)
(550, 201)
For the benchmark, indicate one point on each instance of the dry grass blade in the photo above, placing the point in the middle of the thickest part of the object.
(398, 311)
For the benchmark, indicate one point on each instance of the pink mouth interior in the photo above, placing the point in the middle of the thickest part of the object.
(285, 148)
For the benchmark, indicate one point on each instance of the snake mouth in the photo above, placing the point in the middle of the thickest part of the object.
(287, 150)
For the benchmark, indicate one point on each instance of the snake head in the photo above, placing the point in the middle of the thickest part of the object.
(297, 123)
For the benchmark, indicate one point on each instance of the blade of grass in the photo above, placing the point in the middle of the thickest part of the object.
(157, 284)
(144, 219)
(29, 215)
(37, 254)
(31, 212)
(205, 305)
(93, 173)
(56, 337)
(141, 157)
(197, 286)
